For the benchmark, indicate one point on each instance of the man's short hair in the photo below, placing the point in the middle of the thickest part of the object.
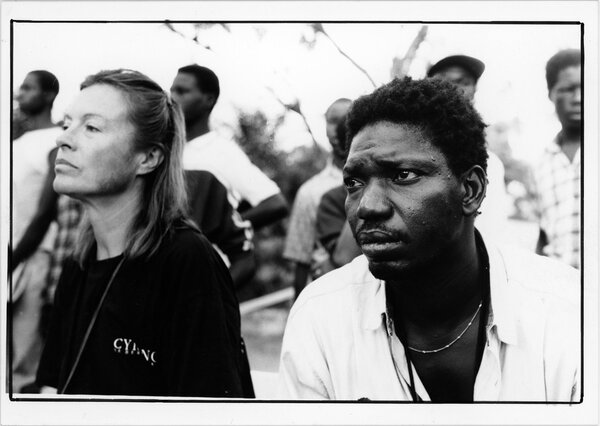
(206, 80)
(48, 81)
(561, 60)
(434, 106)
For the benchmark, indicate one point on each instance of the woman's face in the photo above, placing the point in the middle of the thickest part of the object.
(96, 156)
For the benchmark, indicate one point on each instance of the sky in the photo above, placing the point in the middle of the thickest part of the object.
(260, 65)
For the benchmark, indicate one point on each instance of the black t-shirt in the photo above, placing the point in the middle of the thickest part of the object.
(170, 326)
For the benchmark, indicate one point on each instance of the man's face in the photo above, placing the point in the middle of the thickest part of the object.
(194, 103)
(459, 77)
(31, 98)
(335, 114)
(404, 204)
(96, 155)
(566, 95)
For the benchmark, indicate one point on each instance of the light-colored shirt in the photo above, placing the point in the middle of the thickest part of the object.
(337, 344)
(494, 209)
(557, 183)
(300, 243)
(29, 169)
(231, 166)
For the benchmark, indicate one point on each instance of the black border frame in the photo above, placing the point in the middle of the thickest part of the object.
(177, 400)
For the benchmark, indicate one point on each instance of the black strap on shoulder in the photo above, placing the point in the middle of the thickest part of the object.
(90, 327)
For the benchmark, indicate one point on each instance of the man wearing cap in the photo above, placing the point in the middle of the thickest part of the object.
(464, 72)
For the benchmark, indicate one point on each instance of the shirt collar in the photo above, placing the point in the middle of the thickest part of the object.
(372, 302)
(555, 149)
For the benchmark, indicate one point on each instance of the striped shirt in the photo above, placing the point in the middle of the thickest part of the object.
(558, 189)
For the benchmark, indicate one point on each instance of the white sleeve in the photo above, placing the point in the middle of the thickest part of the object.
(247, 180)
(303, 372)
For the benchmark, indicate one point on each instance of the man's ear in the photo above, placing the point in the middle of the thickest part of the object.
(150, 160)
(552, 95)
(474, 183)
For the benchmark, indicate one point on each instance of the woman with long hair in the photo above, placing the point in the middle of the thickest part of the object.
(145, 306)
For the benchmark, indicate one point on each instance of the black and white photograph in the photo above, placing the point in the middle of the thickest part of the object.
(299, 212)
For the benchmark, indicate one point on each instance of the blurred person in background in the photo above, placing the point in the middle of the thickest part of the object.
(433, 310)
(464, 72)
(214, 214)
(30, 156)
(301, 243)
(557, 176)
(196, 89)
(145, 306)
(332, 229)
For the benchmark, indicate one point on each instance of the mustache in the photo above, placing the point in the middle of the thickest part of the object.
(377, 232)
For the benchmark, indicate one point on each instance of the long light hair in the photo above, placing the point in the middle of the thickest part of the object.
(158, 123)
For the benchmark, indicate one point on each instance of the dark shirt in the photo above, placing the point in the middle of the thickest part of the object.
(214, 214)
(170, 326)
(331, 217)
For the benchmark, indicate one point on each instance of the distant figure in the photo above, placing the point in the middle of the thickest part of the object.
(332, 228)
(196, 89)
(464, 72)
(29, 169)
(433, 310)
(145, 306)
(557, 176)
(301, 242)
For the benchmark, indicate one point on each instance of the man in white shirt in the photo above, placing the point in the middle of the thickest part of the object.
(30, 162)
(196, 89)
(432, 311)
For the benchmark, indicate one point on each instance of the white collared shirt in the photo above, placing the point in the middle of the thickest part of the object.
(337, 345)
(29, 172)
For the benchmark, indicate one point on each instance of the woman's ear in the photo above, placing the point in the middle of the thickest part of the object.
(474, 183)
(150, 160)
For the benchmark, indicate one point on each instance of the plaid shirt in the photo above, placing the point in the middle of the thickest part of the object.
(558, 187)
(300, 243)
(68, 217)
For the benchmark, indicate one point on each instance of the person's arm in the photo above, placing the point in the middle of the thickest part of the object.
(301, 272)
(242, 268)
(267, 211)
(331, 218)
(45, 214)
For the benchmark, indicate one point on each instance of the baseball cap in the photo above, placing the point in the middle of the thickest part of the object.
(473, 65)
